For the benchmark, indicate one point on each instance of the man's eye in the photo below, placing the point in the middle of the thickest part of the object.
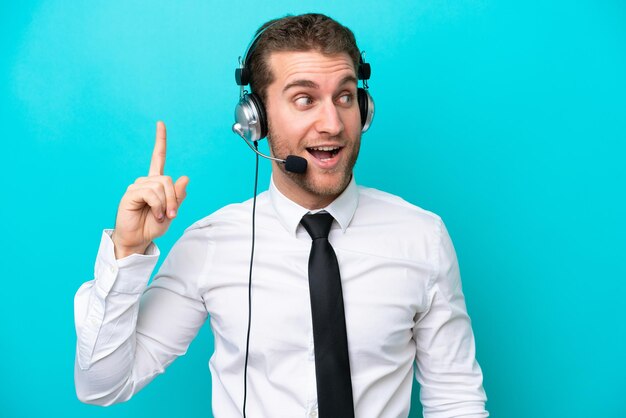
(346, 98)
(303, 101)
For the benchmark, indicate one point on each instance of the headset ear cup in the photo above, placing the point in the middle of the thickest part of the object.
(250, 115)
(260, 111)
(366, 108)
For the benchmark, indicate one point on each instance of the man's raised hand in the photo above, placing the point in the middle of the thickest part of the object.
(149, 204)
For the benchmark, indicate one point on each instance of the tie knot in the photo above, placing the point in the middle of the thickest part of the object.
(318, 225)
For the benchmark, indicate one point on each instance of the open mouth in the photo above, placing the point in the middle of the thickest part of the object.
(324, 153)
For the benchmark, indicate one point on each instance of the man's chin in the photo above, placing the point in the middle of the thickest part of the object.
(326, 184)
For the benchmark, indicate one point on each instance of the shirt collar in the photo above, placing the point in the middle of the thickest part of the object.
(290, 213)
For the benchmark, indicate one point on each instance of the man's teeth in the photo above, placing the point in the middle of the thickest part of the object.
(325, 148)
(324, 153)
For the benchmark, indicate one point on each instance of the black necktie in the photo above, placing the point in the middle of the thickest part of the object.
(332, 366)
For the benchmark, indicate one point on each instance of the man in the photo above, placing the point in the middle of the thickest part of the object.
(399, 286)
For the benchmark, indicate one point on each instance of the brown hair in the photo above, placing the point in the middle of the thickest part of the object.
(305, 32)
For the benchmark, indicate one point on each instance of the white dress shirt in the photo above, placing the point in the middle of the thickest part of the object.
(402, 295)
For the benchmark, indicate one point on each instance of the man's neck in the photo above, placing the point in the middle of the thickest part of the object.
(304, 198)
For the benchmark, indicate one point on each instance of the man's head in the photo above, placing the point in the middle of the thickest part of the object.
(304, 70)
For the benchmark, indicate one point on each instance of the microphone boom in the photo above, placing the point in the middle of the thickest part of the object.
(293, 163)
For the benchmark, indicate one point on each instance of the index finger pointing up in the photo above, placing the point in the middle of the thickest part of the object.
(157, 164)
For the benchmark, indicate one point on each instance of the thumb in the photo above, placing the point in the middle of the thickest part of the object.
(180, 187)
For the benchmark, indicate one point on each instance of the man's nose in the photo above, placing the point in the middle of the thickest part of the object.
(329, 120)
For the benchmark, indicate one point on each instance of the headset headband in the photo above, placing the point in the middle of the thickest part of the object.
(242, 74)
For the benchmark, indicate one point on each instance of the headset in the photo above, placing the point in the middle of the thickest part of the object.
(250, 115)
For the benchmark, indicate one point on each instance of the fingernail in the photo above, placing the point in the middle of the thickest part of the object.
(172, 213)
(160, 216)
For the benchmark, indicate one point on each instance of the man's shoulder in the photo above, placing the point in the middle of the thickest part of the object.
(394, 207)
(401, 229)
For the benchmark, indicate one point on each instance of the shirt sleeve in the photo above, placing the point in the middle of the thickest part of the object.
(127, 333)
(447, 370)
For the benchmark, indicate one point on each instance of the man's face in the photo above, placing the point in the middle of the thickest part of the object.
(313, 113)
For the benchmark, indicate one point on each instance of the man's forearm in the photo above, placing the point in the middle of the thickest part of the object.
(106, 311)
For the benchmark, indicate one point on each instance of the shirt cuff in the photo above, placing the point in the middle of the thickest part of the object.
(126, 275)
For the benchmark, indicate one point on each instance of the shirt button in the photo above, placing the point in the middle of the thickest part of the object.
(313, 414)
(112, 269)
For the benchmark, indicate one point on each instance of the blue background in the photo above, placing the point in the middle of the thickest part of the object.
(508, 119)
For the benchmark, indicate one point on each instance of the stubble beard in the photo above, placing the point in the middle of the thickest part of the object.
(306, 181)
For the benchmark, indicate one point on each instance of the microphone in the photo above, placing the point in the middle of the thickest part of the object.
(293, 163)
